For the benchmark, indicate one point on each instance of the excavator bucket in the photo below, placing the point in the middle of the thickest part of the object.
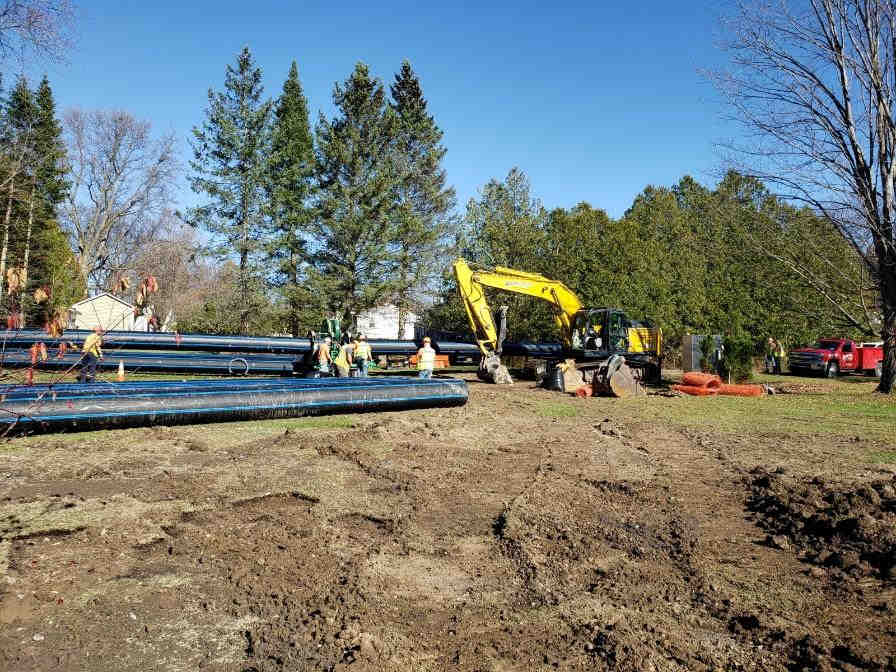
(616, 379)
(493, 371)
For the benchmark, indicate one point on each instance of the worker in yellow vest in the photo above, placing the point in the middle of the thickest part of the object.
(426, 359)
(780, 353)
(362, 355)
(343, 361)
(93, 353)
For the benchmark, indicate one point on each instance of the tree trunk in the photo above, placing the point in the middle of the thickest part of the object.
(244, 292)
(3, 253)
(888, 331)
(27, 254)
(293, 303)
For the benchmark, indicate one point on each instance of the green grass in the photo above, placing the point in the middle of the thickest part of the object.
(884, 457)
(845, 407)
(558, 410)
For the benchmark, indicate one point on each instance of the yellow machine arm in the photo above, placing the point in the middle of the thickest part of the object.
(470, 283)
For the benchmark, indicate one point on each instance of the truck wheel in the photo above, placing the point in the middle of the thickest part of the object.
(832, 371)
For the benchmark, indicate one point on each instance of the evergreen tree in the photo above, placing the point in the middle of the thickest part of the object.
(424, 199)
(18, 139)
(359, 178)
(50, 150)
(52, 264)
(230, 164)
(291, 188)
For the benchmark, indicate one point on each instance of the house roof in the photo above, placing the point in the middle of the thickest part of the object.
(102, 294)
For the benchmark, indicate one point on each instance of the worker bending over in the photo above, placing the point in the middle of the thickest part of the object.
(426, 359)
(93, 353)
(343, 361)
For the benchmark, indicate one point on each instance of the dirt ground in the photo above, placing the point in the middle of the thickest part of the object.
(524, 531)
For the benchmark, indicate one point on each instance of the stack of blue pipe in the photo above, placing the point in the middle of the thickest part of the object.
(75, 406)
(196, 353)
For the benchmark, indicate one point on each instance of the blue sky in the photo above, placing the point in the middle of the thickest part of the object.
(593, 100)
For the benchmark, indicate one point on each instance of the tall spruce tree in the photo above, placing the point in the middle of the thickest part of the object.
(230, 164)
(424, 198)
(291, 187)
(20, 120)
(359, 178)
(48, 257)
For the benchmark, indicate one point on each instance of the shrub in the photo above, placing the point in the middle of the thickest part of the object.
(737, 362)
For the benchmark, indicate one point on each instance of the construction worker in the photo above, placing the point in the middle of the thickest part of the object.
(362, 355)
(770, 348)
(324, 359)
(779, 356)
(426, 359)
(343, 361)
(93, 353)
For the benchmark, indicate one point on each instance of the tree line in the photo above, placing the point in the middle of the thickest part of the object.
(688, 258)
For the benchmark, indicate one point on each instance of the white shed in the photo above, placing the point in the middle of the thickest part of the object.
(382, 322)
(103, 310)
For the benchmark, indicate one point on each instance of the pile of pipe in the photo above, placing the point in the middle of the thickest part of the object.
(194, 353)
(77, 406)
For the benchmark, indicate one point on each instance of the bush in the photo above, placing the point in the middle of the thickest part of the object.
(737, 362)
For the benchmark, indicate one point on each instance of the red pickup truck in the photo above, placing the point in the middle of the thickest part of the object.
(833, 356)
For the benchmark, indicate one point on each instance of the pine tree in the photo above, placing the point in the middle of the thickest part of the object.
(424, 199)
(20, 121)
(231, 151)
(291, 188)
(48, 258)
(359, 178)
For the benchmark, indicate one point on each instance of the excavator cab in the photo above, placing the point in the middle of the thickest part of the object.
(600, 332)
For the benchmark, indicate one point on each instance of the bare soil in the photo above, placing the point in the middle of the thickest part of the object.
(525, 531)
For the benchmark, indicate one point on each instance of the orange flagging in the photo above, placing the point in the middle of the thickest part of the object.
(696, 391)
(742, 390)
(707, 380)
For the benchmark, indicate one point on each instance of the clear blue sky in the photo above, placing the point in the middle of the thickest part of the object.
(593, 100)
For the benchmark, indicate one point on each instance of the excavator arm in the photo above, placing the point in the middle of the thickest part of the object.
(471, 286)
(471, 283)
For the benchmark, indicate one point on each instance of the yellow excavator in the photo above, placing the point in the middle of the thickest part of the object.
(600, 346)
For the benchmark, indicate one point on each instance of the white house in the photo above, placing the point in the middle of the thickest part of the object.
(103, 310)
(382, 322)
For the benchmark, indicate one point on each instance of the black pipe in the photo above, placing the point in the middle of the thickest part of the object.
(143, 340)
(79, 408)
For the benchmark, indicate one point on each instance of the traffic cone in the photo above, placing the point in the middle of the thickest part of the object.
(120, 376)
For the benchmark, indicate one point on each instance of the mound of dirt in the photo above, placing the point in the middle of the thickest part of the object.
(845, 529)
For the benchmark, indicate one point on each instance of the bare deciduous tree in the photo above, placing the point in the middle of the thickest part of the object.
(814, 83)
(36, 27)
(121, 180)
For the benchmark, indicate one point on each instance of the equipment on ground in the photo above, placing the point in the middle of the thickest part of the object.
(601, 346)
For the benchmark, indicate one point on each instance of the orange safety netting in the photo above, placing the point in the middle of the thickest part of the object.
(742, 390)
(705, 380)
(696, 391)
